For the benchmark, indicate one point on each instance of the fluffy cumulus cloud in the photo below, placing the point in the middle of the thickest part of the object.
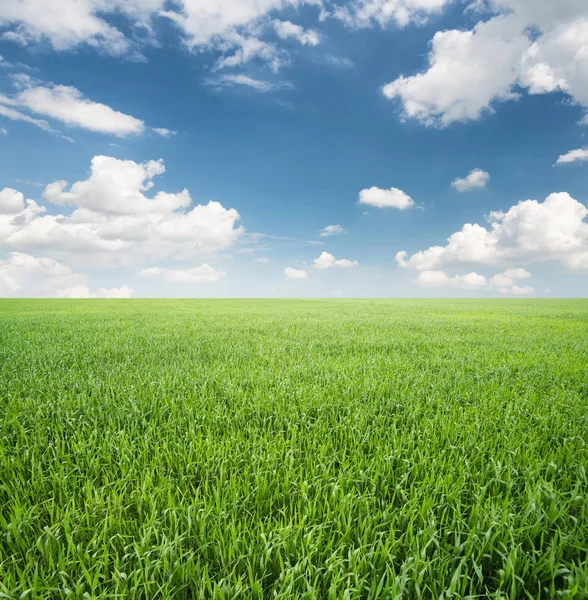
(11, 201)
(505, 282)
(468, 71)
(331, 230)
(286, 29)
(538, 46)
(392, 198)
(292, 273)
(323, 262)
(116, 186)
(471, 281)
(201, 274)
(66, 25)
(234, 28)
(475, 179)
(529, 232)
(328, 261)
(26, 275)
(114, 218)
(365, 13)
(82, 291)
(579, 155)
(20, 269)
(214, 20)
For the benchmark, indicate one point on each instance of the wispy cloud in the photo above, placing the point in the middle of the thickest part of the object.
(163, 132)
(29, 182)
(332, 230)
(260, 85)
(340, 62)
(69, 106)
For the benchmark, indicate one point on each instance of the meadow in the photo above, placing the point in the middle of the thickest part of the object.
(337, 450)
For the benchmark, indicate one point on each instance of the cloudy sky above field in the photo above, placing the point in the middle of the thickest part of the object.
(294, 148)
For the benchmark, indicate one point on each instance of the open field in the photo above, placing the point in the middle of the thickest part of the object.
(293, 449)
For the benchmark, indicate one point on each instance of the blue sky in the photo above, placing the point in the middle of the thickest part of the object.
(441, 143)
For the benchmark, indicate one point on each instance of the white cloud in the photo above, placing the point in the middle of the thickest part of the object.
(470, 281)
(202, 274)
(539, 46)
(262, 259)
(504, 282)
(286, 29)
(116, 186)
(468, 70)
(364, 13)
(3, 131)
(518, 290)
(340, 62)
(29, 182)
(323, 262)
(82, 291)
(205, 22)
(331, 230)
(122, 292)
(246, 49)
(508, 277)
(328, 261)
(529, 232)
(66, 25)
(11, 201)
(67, 104)
(257, 84)
(432, 278)
(20, 269)
(114, 221)
(16, 115)
(75, 291)
(572, 156)
(292, 273)
(25, 275)
(392, 198)
(151, 272)
(475, 179)
(163, 132)
(232, 28)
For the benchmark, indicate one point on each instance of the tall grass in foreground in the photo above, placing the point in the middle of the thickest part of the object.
(294, 449)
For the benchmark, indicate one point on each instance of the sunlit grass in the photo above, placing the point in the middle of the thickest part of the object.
(294, 449)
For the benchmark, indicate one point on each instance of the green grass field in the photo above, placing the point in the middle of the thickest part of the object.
(294, 449)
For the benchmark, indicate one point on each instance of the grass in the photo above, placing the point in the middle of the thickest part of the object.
(294, 449)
